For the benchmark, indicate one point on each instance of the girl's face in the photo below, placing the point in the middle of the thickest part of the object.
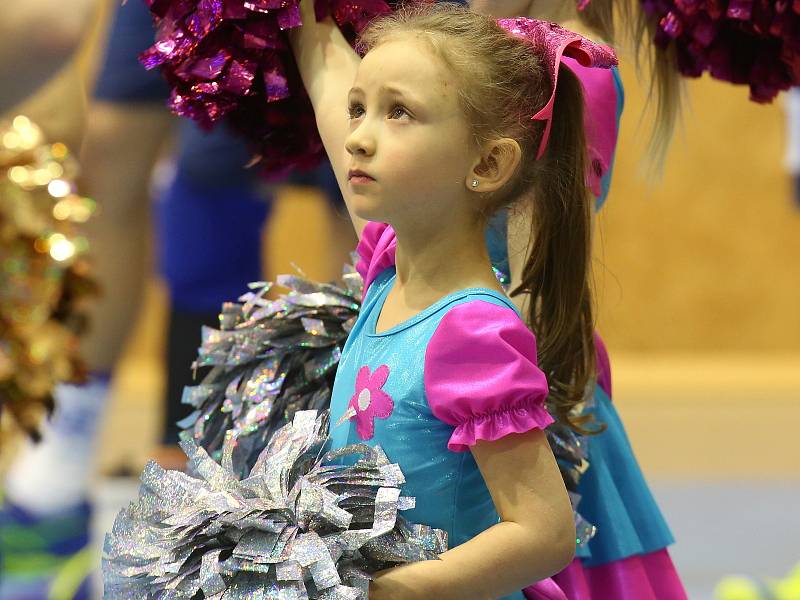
(411, 148)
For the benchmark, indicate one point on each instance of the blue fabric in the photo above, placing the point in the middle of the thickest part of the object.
(616, 497)
(121, 78)
(209, 241)
(449, 489)
(35, 551)
(496, 234)
(60, 534)
(214, 159)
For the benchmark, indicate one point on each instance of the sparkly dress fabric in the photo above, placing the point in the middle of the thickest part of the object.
(462, 370)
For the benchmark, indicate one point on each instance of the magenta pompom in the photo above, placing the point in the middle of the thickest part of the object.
(752, 42)
(229, 60)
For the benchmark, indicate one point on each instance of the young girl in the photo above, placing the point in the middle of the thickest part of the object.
(627, 558)
(440, 135)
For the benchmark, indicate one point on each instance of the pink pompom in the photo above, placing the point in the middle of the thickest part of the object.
(229, 61)
(751, 42)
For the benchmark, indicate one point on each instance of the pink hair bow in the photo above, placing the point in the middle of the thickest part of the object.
(554, 42)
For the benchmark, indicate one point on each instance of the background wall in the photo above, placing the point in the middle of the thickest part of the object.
(706, 259)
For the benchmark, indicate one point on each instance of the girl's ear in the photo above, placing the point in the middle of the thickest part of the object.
(496, 166)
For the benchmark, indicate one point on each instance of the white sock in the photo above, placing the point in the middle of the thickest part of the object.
(53, 475)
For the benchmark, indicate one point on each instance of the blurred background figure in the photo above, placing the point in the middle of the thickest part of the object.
(37, 38)
(39, 64)
(209, 212)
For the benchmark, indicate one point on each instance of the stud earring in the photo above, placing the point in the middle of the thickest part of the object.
(474, 183)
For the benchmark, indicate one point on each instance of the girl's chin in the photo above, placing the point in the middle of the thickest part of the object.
(367, 210)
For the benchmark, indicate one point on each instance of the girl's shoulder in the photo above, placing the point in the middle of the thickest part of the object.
(481, 374)
(480, 318)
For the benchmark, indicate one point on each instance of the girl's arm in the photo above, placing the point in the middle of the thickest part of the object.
(328, 66)
(535, 538)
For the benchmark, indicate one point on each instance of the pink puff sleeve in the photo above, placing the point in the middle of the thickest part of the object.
(376, 251)
(481, 375)
(600, 119)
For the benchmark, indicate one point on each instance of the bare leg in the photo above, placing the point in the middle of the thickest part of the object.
(122, 145)
(37, 38)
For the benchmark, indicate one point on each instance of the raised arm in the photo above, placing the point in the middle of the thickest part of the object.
(328, 66)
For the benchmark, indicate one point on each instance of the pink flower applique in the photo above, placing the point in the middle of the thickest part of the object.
(369, 401)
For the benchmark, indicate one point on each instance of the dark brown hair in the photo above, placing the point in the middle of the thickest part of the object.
(502, 84)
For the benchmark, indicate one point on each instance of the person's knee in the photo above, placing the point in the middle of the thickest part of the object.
(122, 145)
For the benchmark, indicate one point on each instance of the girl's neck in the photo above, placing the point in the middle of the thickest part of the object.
(433, 264)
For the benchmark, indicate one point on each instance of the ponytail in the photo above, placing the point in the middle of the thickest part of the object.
(556, 274)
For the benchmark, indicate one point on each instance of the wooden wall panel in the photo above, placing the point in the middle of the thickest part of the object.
(706, 258)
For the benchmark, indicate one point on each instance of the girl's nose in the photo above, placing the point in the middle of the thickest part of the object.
(360, 142)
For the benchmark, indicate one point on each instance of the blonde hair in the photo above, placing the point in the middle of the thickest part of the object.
(664, 81)
(502, 83)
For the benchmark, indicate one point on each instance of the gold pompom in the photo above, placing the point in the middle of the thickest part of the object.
(43, 272)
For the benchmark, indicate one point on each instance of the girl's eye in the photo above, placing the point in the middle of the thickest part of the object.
(355, 111)
(398, 112)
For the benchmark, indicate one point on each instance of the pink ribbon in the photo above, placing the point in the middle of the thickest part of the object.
(555, 42)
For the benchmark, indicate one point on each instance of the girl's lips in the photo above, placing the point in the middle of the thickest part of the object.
(357, 176)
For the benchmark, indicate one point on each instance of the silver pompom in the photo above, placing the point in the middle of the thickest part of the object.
(269, 359)
(301, 525)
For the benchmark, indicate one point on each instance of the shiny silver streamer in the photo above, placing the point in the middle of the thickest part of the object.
(271, 358)
(300, 525)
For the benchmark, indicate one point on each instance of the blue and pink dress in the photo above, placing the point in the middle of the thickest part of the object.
(461, 381)
(462, 370)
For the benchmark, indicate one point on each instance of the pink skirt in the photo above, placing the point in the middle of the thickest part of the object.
(644, 577)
